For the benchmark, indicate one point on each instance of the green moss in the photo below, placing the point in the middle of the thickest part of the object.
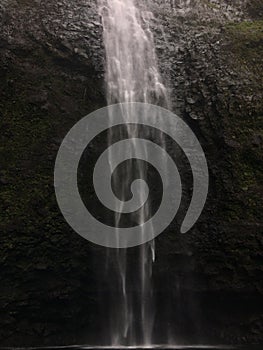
(245, 42)
(242, 121)
(38, 107)
(253, 29)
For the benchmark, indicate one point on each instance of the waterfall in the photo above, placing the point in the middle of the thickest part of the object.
(131, 75)
(132, 72)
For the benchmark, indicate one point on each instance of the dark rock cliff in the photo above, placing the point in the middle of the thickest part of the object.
(51, 68)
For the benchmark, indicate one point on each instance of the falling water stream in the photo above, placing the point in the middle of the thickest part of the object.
(132, 75)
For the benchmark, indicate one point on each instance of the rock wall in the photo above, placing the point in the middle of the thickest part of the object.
(51, 76)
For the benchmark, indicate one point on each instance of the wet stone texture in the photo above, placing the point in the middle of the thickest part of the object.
(51, 72)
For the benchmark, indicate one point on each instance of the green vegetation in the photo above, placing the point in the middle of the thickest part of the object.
(243, 121)
(246, 42)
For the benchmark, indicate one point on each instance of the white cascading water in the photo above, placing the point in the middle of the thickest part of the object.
(132, 75)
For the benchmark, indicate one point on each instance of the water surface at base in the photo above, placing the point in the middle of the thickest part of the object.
(163, 347)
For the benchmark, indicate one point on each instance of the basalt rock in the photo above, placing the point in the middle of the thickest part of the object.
(51, 67)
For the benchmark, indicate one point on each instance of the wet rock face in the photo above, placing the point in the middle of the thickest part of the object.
(64, 26)
(51, 72)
